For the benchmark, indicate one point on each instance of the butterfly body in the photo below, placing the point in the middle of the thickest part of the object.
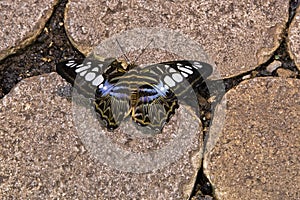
(149, 96)
(137, 95)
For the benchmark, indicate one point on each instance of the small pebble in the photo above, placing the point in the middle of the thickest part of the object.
(273, 66)
(248, 76)
(208, 116)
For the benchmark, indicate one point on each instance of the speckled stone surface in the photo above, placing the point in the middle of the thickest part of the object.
(237, 35)
(257, 153)
(294, 39)
(21, 22)
(42, 155)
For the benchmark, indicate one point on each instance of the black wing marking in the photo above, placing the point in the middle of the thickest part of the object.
(87, 74)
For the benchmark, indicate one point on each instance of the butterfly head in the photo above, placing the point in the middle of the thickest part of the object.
(125, 65)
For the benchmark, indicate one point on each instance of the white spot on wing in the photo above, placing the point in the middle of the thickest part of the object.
(98, 80)
(184, 74)
(71, 62)
(78, 66)
(80, 69)
(177, 77)
(172, 70)
(185, 70)
(95, 69)
(189, 67)
(169, 81)
(83, 73)
(90, 76)
(198, 65)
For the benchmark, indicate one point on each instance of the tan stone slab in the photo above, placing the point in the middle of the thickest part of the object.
(21, 22)
(42, 156)
(257, 153)
(294, 39)
(238, 35)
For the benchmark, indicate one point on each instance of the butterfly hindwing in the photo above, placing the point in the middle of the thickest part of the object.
(107, 109)
(155, 105)
(112, 102)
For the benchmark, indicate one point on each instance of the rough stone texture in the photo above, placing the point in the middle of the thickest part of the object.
(237, 35)
(257, 153)
(21, 22)
(286, 73)
(294, 38)
(43, 157)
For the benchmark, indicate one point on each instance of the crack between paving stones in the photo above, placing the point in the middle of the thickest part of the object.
(202, 184)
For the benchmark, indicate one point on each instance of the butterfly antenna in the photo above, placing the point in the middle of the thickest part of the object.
(122, 50)
(143, 50)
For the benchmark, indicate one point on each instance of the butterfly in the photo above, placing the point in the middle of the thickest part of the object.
(149, 95)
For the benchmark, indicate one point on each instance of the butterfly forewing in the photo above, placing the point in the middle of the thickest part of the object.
(85, 75)
(182, 77)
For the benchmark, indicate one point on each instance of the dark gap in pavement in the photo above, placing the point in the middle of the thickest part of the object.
(50, 47)
(281, 54)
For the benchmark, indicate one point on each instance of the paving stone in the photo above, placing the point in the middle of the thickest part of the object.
(237, 35)
(294, 39)
(256, 155)
(21, 22)
(42, 156)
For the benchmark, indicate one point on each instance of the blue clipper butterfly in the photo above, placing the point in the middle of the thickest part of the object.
(149, 95)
